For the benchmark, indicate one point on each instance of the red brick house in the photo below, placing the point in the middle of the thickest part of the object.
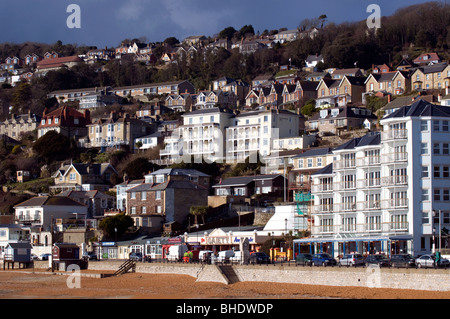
(65, 120)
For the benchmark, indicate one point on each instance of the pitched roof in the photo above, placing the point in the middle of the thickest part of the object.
(326, 170)
(366, 140)
(178, 171)
(315, 152)
(420, 108)
(48, 201)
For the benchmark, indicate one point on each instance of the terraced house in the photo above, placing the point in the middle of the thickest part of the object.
(117, 130)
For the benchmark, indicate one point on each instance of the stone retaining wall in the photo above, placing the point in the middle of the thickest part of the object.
(416, 279)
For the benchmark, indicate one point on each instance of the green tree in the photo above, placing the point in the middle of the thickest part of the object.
(116, 226)
(309, 108)
(21, 97)
(53, 146)
(197, 211)
(227, 33)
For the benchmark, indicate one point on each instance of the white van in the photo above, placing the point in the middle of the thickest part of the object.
(224, 256)
(205, 256)
(237, 257)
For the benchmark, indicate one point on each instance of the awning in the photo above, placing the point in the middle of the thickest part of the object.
(401, 237)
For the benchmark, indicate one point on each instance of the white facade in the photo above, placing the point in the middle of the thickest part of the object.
(384, 193)
(255, 132)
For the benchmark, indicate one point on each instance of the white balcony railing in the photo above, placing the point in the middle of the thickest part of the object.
(361, 229)
(394, 157)
(395, 180)
(394, 134)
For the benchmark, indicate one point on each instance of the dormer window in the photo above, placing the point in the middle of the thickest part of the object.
(43, 122)
(56, 120)
(49, 121)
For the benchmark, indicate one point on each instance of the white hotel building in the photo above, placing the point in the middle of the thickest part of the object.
(217, 134)
(380, 191)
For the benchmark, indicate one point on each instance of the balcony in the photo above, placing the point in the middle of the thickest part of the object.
(394, 157)
(346, 185)
(396, 180)
(356, 230)
(28, 221)
(398, 134)
(368, 183)
(325, 208)
(345, 207)
(320, 188)
(395, 203)
(368, 161)
(342, 164)
(369, 205)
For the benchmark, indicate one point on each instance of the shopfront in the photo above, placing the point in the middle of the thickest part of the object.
(220, 240)
(366, 246)
(108, 250)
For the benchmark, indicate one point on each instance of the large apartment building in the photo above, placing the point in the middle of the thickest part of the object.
(384, 192)
(217, 134)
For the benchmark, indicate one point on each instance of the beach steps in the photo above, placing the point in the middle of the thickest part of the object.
(125, 267)
(228, 272)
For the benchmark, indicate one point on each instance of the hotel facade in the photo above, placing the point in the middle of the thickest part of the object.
(384, 192)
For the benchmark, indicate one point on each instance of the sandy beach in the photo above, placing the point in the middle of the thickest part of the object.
(26, 285)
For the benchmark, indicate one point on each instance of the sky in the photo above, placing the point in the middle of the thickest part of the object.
(108, 22)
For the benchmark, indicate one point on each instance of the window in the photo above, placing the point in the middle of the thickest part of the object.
(144, 210)
(399, 221)
(158, 195)
(319, 161)
(436, 149)
(445, 172)
(436, 126)
(424, 171)
(445, 126)
(437, 194)
(133, 195)
(143, 195)
(423, 126)
(349, 223)
(158, 209)
(437, 171)
(423, 148)
(425, 195)
(445, 194)
(73, 176)
(310, 162)
(326, 225)
(300, 163)
(373, 222)
(445, 149)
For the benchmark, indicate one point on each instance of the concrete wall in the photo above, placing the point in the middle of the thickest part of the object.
(415, 279)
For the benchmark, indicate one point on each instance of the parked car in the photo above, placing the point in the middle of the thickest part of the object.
(323, 260)
(429, 261)
(304, 259)
(90, 256)
(136, 256)
(259, 258)
(44, 256)
(402, 260)
(379, 260)
(34, 257)
(351, 260)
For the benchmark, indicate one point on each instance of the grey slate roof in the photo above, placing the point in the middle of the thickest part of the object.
(326, 170)
(366, 140)
(315, 152)
(420, 108)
